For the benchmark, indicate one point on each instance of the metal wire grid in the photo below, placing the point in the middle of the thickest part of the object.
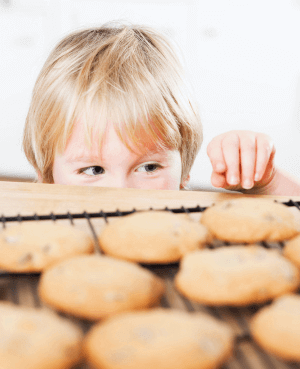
(247, 354)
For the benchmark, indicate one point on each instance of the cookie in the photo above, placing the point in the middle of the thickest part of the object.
(35, 339)
(276, 327)
(291, 250)
(152, 237)
(94, 287)
(160, 339)
(34, 246)
(250, 220)
(236, 275)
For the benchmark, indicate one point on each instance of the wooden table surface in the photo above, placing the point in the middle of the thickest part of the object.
(42, 199)
(29, 198)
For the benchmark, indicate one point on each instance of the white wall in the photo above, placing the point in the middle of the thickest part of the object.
(241, 57)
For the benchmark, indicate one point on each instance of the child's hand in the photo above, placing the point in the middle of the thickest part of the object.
(241, 160)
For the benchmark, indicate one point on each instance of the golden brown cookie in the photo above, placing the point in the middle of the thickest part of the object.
(277, 327)
(35, 339)
(236, 275)
(291, 250)
(94, 287)
(152, 237)
(250, 220)
(160, 339)
(34, 246)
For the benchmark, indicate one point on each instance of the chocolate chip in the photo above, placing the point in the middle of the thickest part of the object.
(26, 258)
(210, 346)
(144, 334)
(46, 248)
(269, 218)
(272, 218)
(227, 205)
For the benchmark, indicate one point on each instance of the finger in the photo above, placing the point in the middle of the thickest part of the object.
(248, 160)
(265, 155)
(218, 180)
(215, 154)
(270, 169)
(231, 153)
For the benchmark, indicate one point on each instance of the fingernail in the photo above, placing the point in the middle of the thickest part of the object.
(256, 177)
(247, 184)
(233, 180)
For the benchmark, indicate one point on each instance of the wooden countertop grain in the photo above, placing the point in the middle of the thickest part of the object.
(28, 198)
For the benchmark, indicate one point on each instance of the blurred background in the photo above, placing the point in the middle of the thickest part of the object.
(242, 59)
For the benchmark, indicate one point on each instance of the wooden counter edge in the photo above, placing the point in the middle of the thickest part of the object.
(28, 198)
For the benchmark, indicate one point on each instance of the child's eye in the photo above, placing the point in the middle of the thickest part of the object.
(92, 171)
(149, 168)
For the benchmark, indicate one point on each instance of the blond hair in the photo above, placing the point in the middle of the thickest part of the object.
(128, 75)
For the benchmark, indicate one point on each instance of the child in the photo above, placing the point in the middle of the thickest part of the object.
(110, 108)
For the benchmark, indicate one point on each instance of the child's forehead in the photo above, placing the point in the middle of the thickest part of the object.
(77, 145)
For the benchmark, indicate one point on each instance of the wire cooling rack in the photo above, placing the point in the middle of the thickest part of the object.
(21, 289)
(105, 215)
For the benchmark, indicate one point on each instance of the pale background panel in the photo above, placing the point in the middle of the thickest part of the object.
(242, 60)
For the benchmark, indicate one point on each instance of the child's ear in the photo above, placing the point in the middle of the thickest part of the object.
(184, 182)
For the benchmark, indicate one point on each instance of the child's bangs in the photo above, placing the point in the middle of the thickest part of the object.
(139, 124)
